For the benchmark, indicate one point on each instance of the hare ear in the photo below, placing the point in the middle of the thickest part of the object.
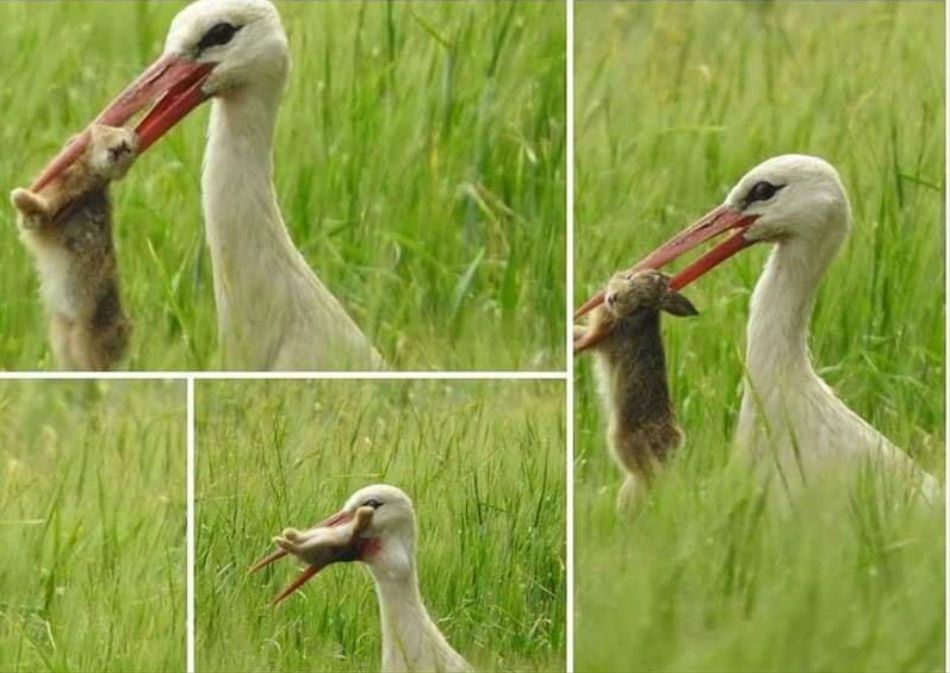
(364, 516)
(676, 304)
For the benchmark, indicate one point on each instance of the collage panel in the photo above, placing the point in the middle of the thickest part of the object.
(373, 185)
(443, 516)
(759, 486)
(92, 526)
(303, 269)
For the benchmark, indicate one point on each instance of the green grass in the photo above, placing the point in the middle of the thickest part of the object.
(419, 155)
(92, 525)
(484, 465)
(675, 101)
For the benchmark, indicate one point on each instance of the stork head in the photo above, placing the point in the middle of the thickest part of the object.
(785, 198)
(385, 541)
(791, 196)
(391, 536)
(213, 48)
(242, 42)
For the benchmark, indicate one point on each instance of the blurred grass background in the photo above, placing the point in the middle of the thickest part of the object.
(674, 102)
(483, 462)
(92, 526)
(419, 165)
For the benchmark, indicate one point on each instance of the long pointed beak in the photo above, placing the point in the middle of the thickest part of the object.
(592, 337)
(305, 576)
(338, 519)
(172, 83)
(267, 560)
(714, 223)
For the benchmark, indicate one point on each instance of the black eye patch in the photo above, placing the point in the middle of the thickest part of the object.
(762, 191)
(218, 34)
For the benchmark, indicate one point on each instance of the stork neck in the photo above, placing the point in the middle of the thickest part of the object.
(408, 633)
(240, 204)
(781, 308)
(240, 147)
(253, 258)
(399, 602)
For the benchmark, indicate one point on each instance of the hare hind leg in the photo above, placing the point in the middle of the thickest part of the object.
(87, 351)
(60, 338)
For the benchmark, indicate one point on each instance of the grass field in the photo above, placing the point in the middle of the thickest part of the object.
(419, 165)
(675, 101)
(484, 464)
(92, 524)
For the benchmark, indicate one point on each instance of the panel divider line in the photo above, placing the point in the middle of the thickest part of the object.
(569, 312)
(475, 375)
(224, 375)
(946, 343)
(190, 533)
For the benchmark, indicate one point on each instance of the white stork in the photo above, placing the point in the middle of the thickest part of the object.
(790, 418)
(273, 311)
(412, 643)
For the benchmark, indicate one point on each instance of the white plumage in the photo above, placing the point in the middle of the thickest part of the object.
(411, 640)
(273, 311)
(789, 416)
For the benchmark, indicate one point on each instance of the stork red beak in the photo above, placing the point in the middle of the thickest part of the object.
(712, 224)
(338, 519)
(172, 83)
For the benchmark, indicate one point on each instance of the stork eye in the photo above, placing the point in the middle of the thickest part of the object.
(762, 191)
(373, 502)
(218, 34)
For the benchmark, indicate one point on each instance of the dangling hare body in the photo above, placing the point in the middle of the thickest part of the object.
(642, 429)
(67, 226)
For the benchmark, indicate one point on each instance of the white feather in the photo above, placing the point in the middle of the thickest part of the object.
(790, 418)
(412, 643)
(273, 311)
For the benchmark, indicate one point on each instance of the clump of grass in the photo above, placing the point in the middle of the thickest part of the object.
(484, 465)
(92, 514)
(419, 165)
(671, 110)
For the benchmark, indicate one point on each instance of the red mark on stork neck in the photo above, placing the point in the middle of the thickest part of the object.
(368, 548)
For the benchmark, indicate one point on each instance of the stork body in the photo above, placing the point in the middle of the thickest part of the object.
(412, 643)
(790, 418)
(273, 311)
